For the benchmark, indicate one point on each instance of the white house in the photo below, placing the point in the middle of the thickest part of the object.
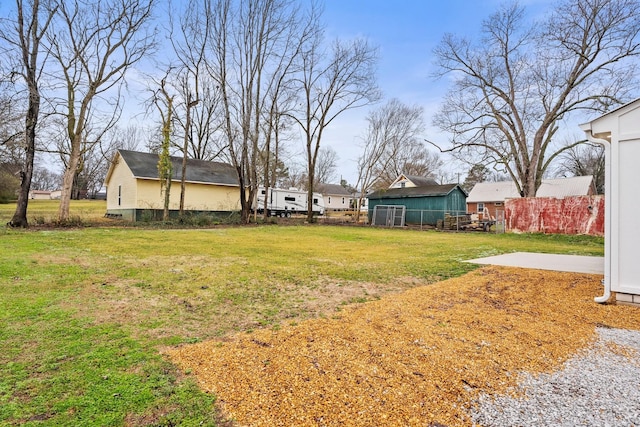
(336, 197)
(411, 181)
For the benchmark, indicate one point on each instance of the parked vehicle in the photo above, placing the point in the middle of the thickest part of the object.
(284, 203)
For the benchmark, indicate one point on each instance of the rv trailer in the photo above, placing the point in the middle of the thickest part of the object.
(284, 203)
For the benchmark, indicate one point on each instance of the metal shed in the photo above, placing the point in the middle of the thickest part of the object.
(619, 132)
(425, 204)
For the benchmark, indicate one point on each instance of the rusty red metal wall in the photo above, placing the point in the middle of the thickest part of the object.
(571, 215)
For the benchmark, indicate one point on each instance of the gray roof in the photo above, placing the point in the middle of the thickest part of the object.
(145, 165)
(421, 181)
(565, 187)
(423, 191)
(332, 189)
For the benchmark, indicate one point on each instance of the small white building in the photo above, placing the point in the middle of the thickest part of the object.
(336, 197)
(619, 132)
(40, 195)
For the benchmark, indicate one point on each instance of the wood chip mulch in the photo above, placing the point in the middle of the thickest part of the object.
(417, 358)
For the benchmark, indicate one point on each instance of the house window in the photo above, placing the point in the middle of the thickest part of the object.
(480, 207)
(329, 198)
(343, 200)
(119, 195)
(403, 184)
(498, 204)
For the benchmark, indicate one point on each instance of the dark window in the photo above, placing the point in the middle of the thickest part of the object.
(315, 201)
(263, 192)
(119, 194)
(289, 199)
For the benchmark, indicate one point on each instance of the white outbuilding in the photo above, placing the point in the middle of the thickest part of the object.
(619, 132)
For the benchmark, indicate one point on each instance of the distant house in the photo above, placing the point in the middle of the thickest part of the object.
(133, 186)
(486, 198)
(409, 181)
(425, 204)
(336, 197)
(40, 195)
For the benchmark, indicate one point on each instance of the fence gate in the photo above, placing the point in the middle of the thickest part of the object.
(389, 215)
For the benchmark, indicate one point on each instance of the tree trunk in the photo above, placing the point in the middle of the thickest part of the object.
(67, 182)
(19, 218)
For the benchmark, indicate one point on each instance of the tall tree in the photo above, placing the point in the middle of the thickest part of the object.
(520, 80)
(94, 44)
(331, 83)
(164, 103)
(25, 36)
(253, 42)
(189, 36)
(392, 130)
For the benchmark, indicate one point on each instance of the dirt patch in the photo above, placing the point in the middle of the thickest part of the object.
(415, 358)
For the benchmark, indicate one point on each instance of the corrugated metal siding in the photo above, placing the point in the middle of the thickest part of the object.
(426, 209)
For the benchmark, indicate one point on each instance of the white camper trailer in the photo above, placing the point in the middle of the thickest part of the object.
(284, 203)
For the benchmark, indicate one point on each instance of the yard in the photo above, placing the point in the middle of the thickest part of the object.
(46, 211)
(91, 317)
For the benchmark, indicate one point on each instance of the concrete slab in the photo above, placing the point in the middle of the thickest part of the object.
(569, 263)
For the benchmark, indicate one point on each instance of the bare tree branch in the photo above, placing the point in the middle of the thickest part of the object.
(516, 86)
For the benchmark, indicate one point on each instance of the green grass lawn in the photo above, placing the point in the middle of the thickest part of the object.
(46, 211)
(85, 313)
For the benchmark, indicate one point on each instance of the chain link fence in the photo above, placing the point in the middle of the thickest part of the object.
(400, 216)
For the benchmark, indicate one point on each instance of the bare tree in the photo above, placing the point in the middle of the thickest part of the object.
(44, 179)
(205, 140)
(94, 45)
(330, 84)
(253, 42)
(24, 36)
(296, 177)
(391, 129)
(326, 164)
(410, 158)
(515, 86)
(190, 41)
(581, 160)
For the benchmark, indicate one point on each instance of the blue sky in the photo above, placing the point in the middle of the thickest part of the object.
(406, 32)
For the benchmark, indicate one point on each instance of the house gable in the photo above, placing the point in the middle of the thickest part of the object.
(409, 181)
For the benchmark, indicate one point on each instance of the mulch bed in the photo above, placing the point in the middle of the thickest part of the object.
(416, 358)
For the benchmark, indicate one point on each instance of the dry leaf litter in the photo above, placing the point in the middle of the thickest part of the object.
(425, 357)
